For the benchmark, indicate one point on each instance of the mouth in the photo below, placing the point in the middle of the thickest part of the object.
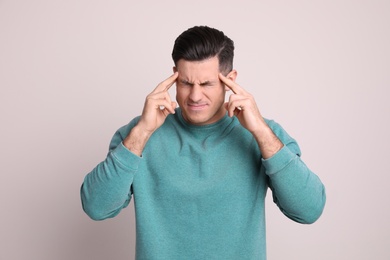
(196, 107)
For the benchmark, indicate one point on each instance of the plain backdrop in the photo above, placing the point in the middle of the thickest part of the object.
(73, 72)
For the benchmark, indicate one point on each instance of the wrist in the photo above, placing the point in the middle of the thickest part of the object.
(136, 140)
(269, 144)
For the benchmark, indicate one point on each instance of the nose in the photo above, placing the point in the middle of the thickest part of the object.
(196, 93)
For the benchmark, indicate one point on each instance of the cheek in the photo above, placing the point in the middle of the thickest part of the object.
(217, 93)
(180, 94)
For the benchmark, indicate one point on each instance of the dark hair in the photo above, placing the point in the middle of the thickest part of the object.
(202, 42)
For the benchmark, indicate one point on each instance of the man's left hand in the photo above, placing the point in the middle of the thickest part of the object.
(242, 105)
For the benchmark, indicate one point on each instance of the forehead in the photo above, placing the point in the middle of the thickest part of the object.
(198, 70)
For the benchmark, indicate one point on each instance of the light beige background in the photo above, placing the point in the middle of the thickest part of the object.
(72, 72)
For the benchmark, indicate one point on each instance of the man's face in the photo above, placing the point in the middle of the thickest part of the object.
(199, 92)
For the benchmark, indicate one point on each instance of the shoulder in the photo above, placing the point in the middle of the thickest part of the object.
(125, 130)
(122, 132)
(283, 136)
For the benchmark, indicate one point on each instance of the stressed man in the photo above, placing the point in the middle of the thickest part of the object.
(199, 169)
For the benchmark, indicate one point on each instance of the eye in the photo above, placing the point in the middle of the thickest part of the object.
(185, 84)
(207, 84)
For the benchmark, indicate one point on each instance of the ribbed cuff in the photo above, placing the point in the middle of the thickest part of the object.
(126, 157)
(278, 161)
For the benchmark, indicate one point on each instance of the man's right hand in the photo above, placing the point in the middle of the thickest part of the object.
(157, 107)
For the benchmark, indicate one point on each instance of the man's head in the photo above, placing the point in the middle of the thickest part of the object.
(200, 43)
(200, 55)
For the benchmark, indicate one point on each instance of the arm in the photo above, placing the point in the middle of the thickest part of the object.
(297, 191)
(107, 188)
(158, 106)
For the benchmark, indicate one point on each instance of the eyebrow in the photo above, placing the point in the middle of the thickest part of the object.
(207, 82)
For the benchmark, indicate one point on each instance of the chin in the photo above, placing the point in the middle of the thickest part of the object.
(195, 121)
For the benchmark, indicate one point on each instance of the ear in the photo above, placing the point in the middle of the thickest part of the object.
(232, 75)
(174, 69)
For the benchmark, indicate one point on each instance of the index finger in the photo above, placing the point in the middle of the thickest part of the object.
(166, 84)
(231, 84)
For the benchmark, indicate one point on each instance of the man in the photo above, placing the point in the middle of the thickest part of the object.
(199, 172)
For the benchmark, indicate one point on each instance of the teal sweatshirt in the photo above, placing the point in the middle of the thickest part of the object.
(199, 191)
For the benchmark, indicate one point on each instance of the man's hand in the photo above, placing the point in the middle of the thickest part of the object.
(157, 107)
(242, 105)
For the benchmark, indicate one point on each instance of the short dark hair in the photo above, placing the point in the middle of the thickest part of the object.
(202, 42)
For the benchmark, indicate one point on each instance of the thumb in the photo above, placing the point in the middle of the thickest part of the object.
(173, 105)
(226, 105)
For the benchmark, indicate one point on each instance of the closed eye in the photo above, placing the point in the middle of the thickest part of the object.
(186, 83)
(190, 84)
(207, 84)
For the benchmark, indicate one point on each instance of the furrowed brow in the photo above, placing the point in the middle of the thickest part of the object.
(186, 82)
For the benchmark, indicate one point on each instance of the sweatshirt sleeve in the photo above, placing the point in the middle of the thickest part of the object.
(297, 191)
(106, 190)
